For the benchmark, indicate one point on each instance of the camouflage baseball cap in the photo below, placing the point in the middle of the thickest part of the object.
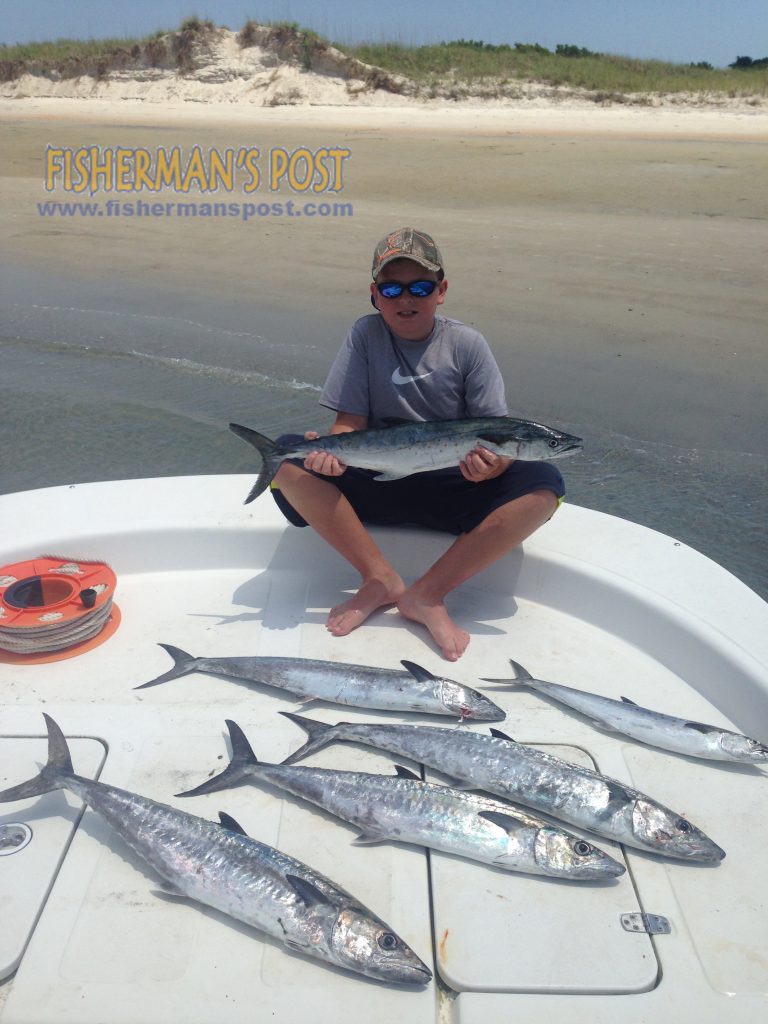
(407, 244)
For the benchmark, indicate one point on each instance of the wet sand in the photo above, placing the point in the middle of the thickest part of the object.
(616, 266)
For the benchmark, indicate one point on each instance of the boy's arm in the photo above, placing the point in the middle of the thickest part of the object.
(346, 421)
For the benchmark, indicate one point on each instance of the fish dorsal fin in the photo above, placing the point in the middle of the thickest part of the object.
(229, 823)
(417, 671)
(626, 700)
(505, 821)
(308, 893)
(700, 727)
(406, 773)
(395, 421)
(499, 735)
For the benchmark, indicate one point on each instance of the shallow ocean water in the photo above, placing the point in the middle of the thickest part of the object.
(77, 413)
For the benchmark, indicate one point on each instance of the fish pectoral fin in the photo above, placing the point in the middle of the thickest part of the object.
(506, 860)
(169, 891)
(499, 735)
(700, 727)
(632, 702)
(466, 787)
(369, 838)
(308, 893)
(419, 673)
(505, 821)
(405, 773)
(391, 476)
(597, 723)
(492, 438)
(617, 795)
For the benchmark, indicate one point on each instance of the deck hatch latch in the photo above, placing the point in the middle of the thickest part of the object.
(651, 924)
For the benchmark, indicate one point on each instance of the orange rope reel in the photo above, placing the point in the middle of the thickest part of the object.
(51, 603)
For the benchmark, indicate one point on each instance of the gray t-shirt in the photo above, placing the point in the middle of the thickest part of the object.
(450, 376)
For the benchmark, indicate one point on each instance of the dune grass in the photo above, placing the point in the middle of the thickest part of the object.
(463, 64)
(470, 62)
(65, 49)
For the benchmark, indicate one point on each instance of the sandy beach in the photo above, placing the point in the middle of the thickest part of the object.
(614, 257)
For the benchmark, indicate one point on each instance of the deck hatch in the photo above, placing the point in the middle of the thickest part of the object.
(36, 835)
(538, 934)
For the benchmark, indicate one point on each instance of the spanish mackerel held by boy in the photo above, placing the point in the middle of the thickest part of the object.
(624, 716)
(359, 686)
(528, 776)
(402, 808)
(223, 868)
(407, 448)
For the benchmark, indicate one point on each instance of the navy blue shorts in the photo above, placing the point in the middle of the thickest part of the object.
(438, 500)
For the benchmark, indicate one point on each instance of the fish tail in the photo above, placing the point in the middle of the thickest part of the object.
(182, 664)
(522, 676)
(53, 775)
(242, 759)
(318, 736)
(270, 455)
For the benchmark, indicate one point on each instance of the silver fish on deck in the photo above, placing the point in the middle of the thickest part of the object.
(406, 448)
(359, 686)
(664, 731)
(404, 809)
(531, 777)
(221, 867)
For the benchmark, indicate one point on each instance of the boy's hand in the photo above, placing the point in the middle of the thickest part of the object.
(482, 464)
(322, 462)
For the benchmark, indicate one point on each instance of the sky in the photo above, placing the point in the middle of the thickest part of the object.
(683, 31)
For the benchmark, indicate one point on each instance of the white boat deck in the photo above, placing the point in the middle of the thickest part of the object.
(590, 601)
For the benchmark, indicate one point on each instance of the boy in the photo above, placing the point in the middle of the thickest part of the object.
(405, 361)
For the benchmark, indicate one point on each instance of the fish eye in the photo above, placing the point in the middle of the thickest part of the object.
(683, 825)
(388, 941)
(582, 848)
(553, 443)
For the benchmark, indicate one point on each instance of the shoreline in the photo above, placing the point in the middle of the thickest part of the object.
(535, 118)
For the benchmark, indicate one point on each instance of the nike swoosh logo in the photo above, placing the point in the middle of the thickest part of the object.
(398, 378)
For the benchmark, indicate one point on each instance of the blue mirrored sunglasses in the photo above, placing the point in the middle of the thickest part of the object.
(393, 289)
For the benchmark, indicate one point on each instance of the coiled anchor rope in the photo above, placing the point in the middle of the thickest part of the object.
(51, 602)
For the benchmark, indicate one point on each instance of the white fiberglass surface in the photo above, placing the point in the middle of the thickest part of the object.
(106, 948)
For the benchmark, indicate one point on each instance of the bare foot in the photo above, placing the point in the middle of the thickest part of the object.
(373, 594)
(450, 638)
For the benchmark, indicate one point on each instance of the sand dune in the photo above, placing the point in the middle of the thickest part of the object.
(217, 69)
